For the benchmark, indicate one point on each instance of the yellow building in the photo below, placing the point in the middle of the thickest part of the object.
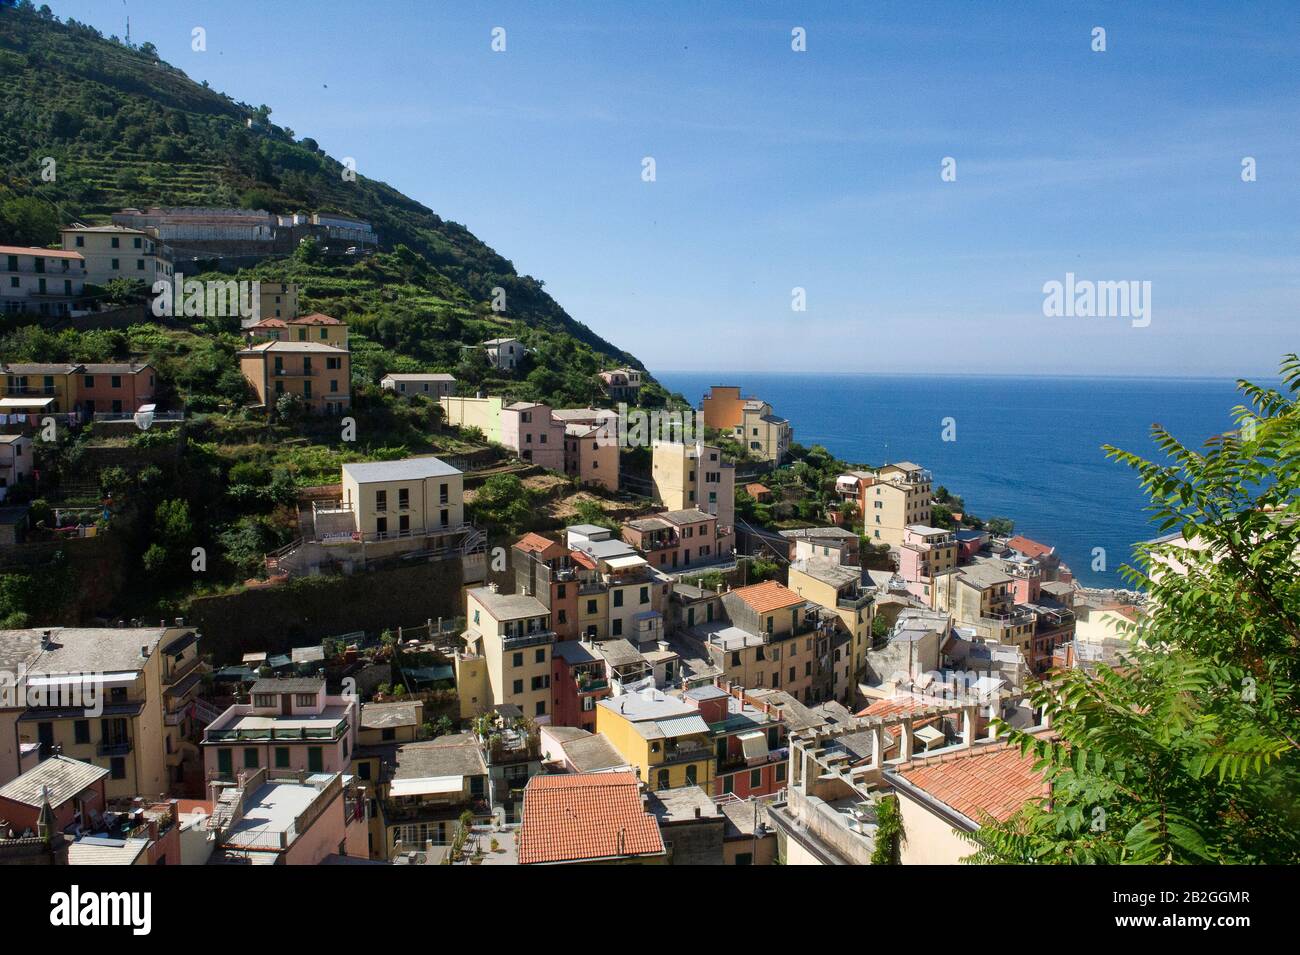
(277, 300)
(408, 498)
(664, 739)
(321, 375)
(381, 729)
(38, 383)
(481, 413)
(889, 498)
(322, 329)
(513, 635)
(695, 476)
(116, 252)
(114, 697)
(843, 591)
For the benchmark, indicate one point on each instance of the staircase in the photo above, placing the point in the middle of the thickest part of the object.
(279, 561)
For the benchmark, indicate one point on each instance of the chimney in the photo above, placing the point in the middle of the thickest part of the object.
(144, 651)
(180, 621)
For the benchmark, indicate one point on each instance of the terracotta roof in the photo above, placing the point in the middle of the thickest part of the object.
(40, 253)
(584, 817)
(894, 705)
(269, 323)
(315, 318)
(752, 489)
(768, 595)
(535, 543)
(995, 782)
(1030, 548)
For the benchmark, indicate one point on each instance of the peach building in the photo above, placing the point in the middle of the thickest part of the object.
(319, 374)
(291, 724)
(116, 387)
(591, 455)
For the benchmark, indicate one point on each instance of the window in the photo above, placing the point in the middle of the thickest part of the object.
(519, 686)
(663, 779)
(304, 699)
(755, 778)
(591, 606)
(225, 763)
(645, 595)
(541, 683)
(388, 735)
(735, 658)
(616, 629)
(117, 767)
(517, 660)
(282, 758)
(114, 263)
(690, 775)
(250, 757)
(381, 500)
(540, 709)
(780, 772)
(315, 759)
(540, 657)
(404, 498)
(81, 731)
(618, 598)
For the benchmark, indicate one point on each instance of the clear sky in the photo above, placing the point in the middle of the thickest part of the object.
(821, 169)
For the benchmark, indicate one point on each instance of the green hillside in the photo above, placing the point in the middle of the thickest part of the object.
(127, 129)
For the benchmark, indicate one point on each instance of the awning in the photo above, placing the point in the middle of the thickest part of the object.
(25, 403)
(618, 563)
(928, 737)
(426, 785)
(753, 745)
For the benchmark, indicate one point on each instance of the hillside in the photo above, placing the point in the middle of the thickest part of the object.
(127, 129)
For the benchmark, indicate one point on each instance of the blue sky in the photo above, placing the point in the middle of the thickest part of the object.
(820, 169)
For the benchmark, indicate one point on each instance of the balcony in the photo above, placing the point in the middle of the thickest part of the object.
(113, 747)
(683, 753)
(295, 373)
(520, 640)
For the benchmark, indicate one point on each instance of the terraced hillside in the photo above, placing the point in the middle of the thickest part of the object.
(125, 128)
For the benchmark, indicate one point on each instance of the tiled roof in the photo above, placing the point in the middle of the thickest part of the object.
(535, 543)
(768, 595)
(315, 318)
(584, 817)
(996, 782)
(894, 705)
(42, 253)
(1030, 548)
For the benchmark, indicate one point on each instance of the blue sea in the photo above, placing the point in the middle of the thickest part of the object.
(1026, 448)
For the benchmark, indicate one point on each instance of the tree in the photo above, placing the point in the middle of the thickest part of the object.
(1189, 751)
(28, 221)
(1001, 526)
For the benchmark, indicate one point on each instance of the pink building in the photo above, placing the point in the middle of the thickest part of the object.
(291, 724)
(279, 818)
(529, 429)
(591, 453)
(578, 681)
(675, 539)
(114, 387)
(76, 792)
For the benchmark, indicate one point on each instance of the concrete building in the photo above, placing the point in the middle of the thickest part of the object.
(116, 252)
(622, 384)
(845, 591)
(664, 738)
(290, 724)
(102, 696)
(414, 497)
(15, 461)
(504, 353)
(430, 384)
(749, 420)
(320, 375)
(528, 429)
(889, 499)
(675, 540)
(277, 300)
(688, 476)
(40, 281)
(512, 634)
(432, 784)
(316, 327)
(270, 817)
(114, 387)
(481, 413)
(833, 544)
(591, 452)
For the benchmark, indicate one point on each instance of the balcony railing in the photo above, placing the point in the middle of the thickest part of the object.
(535, 638)
(114, 747)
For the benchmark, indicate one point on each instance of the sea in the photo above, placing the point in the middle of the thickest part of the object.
(1025, 448)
